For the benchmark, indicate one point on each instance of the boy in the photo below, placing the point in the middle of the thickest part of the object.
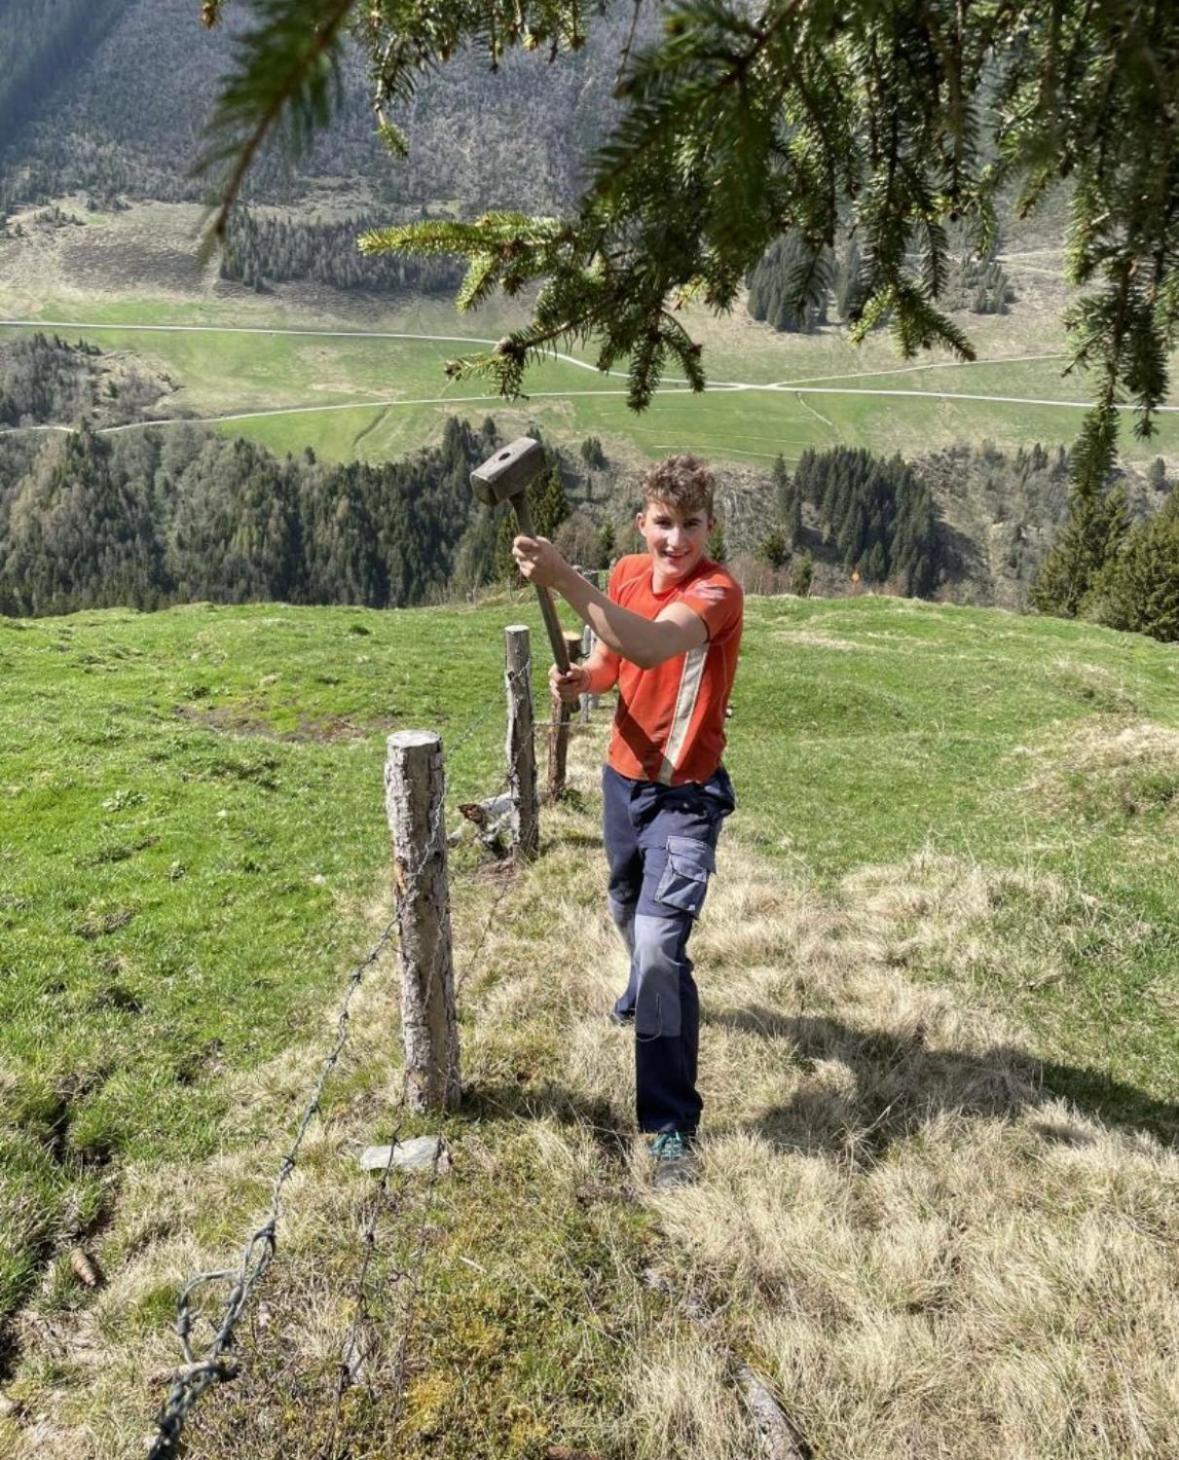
(668, 632)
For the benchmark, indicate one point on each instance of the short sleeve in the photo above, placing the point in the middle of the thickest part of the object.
(719, 601)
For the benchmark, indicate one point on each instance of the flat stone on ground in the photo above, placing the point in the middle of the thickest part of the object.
(416, 1155)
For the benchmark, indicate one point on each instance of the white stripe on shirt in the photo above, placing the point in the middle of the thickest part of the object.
(685, 708)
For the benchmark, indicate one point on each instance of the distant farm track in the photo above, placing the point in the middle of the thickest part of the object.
(377, 394)
(679, 385)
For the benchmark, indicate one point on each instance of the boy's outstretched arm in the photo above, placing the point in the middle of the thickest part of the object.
(645, 642)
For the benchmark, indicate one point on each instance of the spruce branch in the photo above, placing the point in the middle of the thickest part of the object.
(287, 68)
(808, 117)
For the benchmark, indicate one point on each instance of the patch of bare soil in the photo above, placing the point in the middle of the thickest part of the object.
(326, 730)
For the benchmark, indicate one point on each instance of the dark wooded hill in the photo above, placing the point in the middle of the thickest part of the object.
(111, 99)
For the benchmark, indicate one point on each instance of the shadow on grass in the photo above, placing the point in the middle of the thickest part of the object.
(611, 1130)
(900, 1083)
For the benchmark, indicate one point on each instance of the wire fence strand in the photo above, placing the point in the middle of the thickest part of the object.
(216, 1365)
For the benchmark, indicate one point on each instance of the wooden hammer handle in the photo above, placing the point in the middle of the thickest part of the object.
(548, 608)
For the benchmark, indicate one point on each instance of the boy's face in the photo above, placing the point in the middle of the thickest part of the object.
(675, 539)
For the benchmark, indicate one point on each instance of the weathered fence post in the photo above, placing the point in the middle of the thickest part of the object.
(589, 702)
(521, 746)
(560, 714)
(414, 805)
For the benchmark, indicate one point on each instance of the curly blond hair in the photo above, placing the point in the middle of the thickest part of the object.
(683, 482)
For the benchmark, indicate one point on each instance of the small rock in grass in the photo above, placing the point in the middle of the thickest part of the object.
(416, 1155)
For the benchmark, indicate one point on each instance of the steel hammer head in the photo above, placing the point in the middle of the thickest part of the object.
(509, 472)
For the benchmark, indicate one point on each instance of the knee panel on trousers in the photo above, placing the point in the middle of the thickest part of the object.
(659, 963)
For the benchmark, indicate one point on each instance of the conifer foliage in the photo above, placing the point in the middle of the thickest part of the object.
(880, 517)
(151, 517)
(891, 120)
(1096, 525)
(1138, 588)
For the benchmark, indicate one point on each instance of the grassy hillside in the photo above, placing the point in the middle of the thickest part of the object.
(373, 398)
(946, 905)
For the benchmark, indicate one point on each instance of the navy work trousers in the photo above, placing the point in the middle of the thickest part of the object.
(661, 850)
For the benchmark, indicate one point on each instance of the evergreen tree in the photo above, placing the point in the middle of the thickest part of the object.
(774, 549)
(716, 547)
(802, 575)
(790, 286)
(549, 507)
(549, 504)
(780, 476)
(1138, 588)
(592, 454)
(794, 517)
(849, 284)
(1097, 523)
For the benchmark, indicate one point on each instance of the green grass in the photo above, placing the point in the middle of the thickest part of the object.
(190, 823)
(193, 854)
(225, 373)
(938, 728)
(192, 833)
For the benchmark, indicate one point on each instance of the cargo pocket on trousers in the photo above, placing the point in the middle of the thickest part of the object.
(690, 863)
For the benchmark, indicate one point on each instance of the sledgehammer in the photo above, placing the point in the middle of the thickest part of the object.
(506, 477)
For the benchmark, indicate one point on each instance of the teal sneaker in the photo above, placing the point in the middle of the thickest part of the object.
(673, 1162)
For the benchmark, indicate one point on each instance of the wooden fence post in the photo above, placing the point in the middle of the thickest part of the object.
(429, 1030)
(521, 745)
(560, 714)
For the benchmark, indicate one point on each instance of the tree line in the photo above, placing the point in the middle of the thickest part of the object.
(149, 518)
(875, 513)
(796, 289)
(154, 517)
(263, 250)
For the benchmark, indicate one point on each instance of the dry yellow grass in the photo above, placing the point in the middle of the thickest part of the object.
(922, 1249)
(1113, 768)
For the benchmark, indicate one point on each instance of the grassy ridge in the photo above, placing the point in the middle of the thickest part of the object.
(190, 830)
(192, 833)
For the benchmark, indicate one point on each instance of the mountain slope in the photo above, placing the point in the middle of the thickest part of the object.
(113, 100)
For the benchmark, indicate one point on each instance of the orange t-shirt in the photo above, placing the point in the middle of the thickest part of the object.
(670, 722)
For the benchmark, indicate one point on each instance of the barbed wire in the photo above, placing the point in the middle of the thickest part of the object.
(345, 1375)
(195, 1376)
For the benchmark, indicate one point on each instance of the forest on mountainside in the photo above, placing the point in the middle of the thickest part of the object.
(47, 381)
(79, 117)
(153, 517)
(261, 250)
(878, 516)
